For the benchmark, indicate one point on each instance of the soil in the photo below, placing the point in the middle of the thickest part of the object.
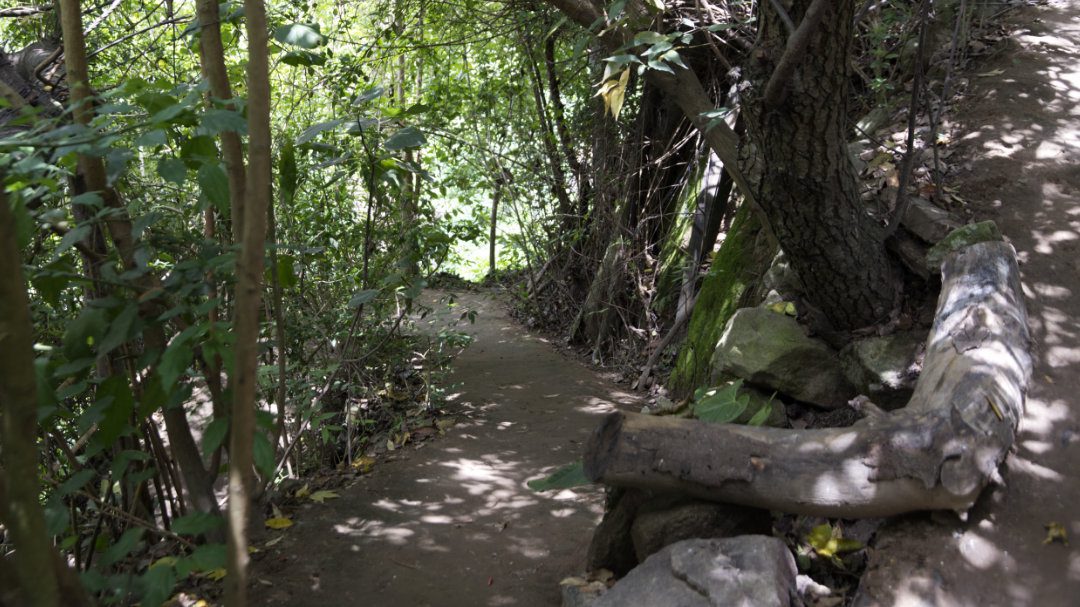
(451, 521)
(1021, 136)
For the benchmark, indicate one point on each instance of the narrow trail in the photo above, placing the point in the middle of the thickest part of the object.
(1022, 135)
(452, 522)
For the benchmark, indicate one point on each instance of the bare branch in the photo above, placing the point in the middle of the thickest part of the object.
(776, 90)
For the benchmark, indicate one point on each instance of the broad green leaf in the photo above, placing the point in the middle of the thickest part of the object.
(299, 34)
(216, 121)
(407, 138)
(84, 332)
(156, 586)
(174, 362)
(569, 476)
(121, 547)
(312, 131)
(372, 93)
(721, 405)
(117, 411)
(214, 185)
(363, 297)
(827, 541)
(214, 435)
(172, 170)
(205, 557)
(263, 454)
(75, 482)
(303, 59)
(649, 38)
(197, 523)
(762, 415)
(120, 329)
(151, 139)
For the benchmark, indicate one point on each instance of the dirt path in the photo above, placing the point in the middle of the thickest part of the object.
(452, 523)
(1023, 138)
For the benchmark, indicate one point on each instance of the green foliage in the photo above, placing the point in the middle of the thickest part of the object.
(567, 477)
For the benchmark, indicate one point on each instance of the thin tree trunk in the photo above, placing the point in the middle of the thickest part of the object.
(92, 171)
(212, 52)
(494, 223)
(248, 299)
(20, 509)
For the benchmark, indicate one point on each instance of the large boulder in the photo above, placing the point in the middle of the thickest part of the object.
(668, 519)
(884, 368)
(747, 570)
(773, 351)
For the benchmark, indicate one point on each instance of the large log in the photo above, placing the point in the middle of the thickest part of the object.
(938, 452)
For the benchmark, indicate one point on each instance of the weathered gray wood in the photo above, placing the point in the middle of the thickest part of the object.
(939, 452)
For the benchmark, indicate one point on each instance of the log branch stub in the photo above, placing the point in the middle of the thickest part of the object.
(939, 452)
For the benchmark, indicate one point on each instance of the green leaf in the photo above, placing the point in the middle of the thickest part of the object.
(828, 541)
(372, 93)
(120, 330)
(75, 482)
(151, 139)
(156, 586)
(83, 332)
(214, 184)
(119, 402)
(312, 131)
(649, 38)
(122, 547)
(299, 34)
(172, 170)
(197, 523)
(762, 415)
(572, 475)
(203, 558)
(363, 297)
(174, 362)
(407, 138)
(263, 454)
(214, 435)
(303, 59)
(722, 405)
(216, 121)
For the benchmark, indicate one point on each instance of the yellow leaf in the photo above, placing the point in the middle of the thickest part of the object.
(274, 541)
(614, 92)
(827, 541)
(303, 492)
(364, 464)
(1055, 532)
(278, 522)
(390, 444)
(201, 603)
(277, 511)
(783, 307)
(321, 496)
(252, 550)
(445, 424)
(216, 574)
(165, 561)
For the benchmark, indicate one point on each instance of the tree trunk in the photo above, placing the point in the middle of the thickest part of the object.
(20, 509)
(937, 453)
(248, 300)
(809, 188)
(494, 224)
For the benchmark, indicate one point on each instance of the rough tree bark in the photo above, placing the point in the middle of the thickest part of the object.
(797, 113)
(937, 453)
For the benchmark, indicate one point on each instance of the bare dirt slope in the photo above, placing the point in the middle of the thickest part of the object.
(452, 523)
(1022, 125)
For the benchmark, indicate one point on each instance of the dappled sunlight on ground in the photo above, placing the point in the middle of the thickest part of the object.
(451, 521)
(1023, 142)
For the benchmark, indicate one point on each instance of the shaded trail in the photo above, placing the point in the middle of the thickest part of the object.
(452, 523)
(1022, 136)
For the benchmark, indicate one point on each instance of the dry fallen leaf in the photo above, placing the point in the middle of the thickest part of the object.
(445, 424)
(364, 464)
(303, 492)
(278, 522)
(1055, 532)
(216, 574)
(321, 496)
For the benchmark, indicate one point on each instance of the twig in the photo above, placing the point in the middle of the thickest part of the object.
(776, 90)
(902, 200)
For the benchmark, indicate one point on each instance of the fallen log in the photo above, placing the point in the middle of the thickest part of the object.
(938, 452)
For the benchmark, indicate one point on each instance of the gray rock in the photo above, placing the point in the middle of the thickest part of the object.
(744, 571)
(927, 221)
(666, 520)
(579, 593)
(884, 368)
(773, 351)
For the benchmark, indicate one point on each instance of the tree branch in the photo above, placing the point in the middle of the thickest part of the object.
(776, 90)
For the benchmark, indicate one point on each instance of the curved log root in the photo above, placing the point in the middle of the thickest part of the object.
(939, 452)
